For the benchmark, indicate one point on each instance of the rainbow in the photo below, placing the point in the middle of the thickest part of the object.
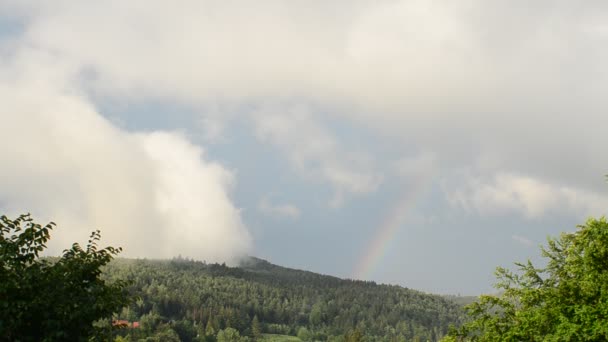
(388, 228)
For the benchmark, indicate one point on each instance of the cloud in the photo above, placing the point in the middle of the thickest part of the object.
(289, 211)
(378, 54)
(510, 193)
(415, 167)
(192, 195)
(155, 194)
(460, 80)
(314, 152)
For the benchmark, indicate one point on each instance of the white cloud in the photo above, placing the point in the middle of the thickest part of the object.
(533, 198)
(516, 87)
(314, 153)
(415, 167)
(192, 196)
(154, 194)
(278, 210)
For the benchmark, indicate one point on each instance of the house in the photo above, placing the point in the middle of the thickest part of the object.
(121, 323)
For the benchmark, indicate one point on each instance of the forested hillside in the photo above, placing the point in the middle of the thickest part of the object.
(196, 301)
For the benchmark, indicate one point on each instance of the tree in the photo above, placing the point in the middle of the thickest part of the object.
(565, 301)
(316, 315)
(304, 334)
(185, 330)
(209, 331)
(354, 336)
(43, 299)
(228, 335)
(256, 329)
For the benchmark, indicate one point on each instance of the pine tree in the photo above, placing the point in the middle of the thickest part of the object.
(354, 336)
(209, 331)
(256, 329)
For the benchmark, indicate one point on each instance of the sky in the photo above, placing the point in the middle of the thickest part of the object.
(418, 143)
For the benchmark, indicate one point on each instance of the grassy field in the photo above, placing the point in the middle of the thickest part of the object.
(280, 338)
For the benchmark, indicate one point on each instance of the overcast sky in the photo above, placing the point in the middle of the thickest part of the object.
(420, 143)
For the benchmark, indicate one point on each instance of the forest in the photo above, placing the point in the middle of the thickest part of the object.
(190, 300)
(88, 295)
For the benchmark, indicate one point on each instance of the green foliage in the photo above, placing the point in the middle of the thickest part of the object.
(279, 338)
(304, 334)
(228, 335)
(209, 330)
(214, 297)
(185, 330)
(256, 329)
(166, 334)
(52, 300)
(565, 301)
(354, 336)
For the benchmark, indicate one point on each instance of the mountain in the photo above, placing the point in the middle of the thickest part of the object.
(196, 301)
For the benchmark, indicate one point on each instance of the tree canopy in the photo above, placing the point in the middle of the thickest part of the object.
(567, 300)
(52, 299)
(209, 298)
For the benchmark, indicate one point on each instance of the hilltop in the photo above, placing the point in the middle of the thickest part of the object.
(191, 298)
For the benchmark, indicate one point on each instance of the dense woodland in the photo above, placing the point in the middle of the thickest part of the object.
(195, 301)
(87, 295)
